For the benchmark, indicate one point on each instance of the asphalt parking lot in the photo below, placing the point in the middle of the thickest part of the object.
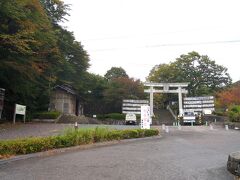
(190, 153)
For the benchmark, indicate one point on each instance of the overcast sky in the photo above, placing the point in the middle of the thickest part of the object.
(138, 34)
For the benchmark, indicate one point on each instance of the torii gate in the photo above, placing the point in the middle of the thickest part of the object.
(166, 88)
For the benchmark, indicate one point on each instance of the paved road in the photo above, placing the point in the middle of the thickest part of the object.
(192, 153)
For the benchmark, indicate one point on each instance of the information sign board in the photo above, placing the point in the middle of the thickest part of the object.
(19, 109)
(132, 106)
(199, 104)
(145, 117)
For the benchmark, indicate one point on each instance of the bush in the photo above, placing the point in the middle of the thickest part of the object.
(130, 133)
(101, 116)
(26, 146)
(115, 135)
(151, 132)
(234, 113)
(47, 115)
(70, 137)
(220, 112)
(115, 116)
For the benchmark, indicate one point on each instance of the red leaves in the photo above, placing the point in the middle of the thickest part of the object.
(230, 96)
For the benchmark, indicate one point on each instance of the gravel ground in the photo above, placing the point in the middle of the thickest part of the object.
(20, 130)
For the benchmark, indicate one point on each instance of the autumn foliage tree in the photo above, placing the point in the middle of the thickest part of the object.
(228, 97)
(36, 52)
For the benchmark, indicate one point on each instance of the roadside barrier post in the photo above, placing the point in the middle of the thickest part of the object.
(178, 123)
(163, 127)
(211, 127)
(167, 129)
(226, 127)
(76, 125)
(179, 127)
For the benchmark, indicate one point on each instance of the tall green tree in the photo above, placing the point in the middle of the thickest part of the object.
(115, 72)
(36, 52)
(203, 74)
(74, 59)
(56, 10)
(27, 50)
(122, 88)
(93, 96)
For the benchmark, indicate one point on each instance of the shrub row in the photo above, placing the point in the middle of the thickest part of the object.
(70, 137)
(47, 115)
(115, 116)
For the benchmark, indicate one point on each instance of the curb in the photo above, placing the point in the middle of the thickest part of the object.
(74, 148)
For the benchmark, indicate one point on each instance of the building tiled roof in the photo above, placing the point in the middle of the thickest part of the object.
(66, 88)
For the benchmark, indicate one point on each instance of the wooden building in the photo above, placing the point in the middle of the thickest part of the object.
(64, 99)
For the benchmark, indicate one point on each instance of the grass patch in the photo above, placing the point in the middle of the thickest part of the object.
(70, 137)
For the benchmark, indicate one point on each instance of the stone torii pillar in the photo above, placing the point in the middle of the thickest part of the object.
(180, 101)
(178, 88)
(151, 101)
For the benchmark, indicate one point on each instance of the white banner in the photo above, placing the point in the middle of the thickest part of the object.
(145, 117)
(199, 102)
(135, 101)
(131, 108)
(199, 109)
(133, 105)
(198, 98)
(199, 106)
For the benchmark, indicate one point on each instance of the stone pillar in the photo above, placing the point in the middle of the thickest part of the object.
(233, 164)
(180, 101)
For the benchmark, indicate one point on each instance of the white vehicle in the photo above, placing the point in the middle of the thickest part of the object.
(131, 119)
(189, 117)
(207, 111)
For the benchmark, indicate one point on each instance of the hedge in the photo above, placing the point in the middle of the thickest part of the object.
(47, 115)
(70, 137)
(115, 116)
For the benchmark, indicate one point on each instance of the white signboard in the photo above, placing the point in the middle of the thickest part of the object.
(19, 109)
(199, 104)
(145, 117)
(131, 106)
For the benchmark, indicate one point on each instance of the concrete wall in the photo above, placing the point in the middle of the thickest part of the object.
(63, 102)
